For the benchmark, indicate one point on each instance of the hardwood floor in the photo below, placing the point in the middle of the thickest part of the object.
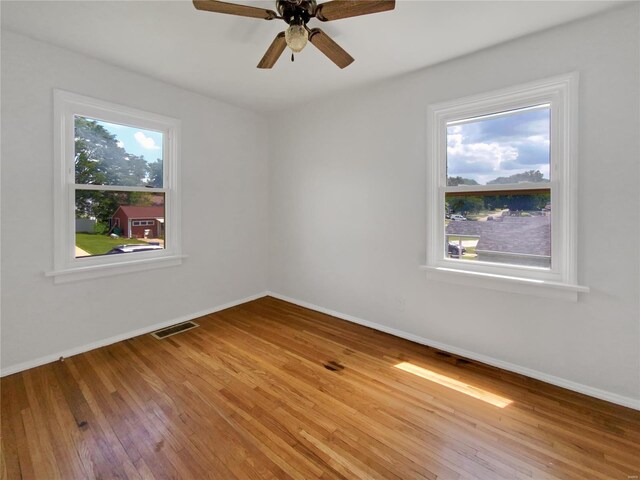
(269, 390)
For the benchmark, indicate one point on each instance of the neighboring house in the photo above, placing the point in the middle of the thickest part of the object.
(518, 240)
(133, 221)
(507, 239)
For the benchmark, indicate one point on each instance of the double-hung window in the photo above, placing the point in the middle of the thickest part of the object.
(116, 205)
(502, 187)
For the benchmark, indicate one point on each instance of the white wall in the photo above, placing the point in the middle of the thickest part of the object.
(347, 210)
(224, 202)
(343, 206)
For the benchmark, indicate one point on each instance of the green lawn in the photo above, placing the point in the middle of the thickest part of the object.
(470, 254)
(101, 244)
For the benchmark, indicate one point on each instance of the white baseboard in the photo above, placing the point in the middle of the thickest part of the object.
(560, 382)
(124, 336)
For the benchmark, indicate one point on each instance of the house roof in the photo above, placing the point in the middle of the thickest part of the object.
(465, 228)
(134, 211)
(523, 235)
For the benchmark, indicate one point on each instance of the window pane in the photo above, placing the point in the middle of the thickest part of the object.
(505, 229)
(118, 222)
(510, 147)
(111, 154)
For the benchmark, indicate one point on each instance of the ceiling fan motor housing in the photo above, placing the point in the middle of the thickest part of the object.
(296, 12)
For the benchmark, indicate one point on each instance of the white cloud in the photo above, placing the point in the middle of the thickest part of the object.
(539, 139)
(146, 142)
(477, 158)
(501, 147)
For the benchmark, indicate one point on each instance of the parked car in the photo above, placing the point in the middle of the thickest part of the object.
(458, 218)
(454, 250)
(134, 248)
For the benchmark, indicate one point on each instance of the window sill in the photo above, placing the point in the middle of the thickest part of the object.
(505, 283)
(74, 274)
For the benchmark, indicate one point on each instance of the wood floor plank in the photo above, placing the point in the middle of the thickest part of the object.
(57, 442)
(9, 442)
(14, 402)
(270, 390)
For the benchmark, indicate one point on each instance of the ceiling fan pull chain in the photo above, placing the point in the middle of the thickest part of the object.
(292, 57)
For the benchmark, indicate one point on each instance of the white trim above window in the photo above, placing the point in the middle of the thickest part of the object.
(68, 106)
(559, 96)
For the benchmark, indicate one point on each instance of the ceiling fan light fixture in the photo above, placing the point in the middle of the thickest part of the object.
(296, 37)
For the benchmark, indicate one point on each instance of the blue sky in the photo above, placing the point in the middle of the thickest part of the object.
(137, 141)
(499, 146)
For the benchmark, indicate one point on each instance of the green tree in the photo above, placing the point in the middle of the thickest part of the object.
(534, 176)
(155, 174)
(517, 202)
(465, 204)
(455, 181)
(100, 160)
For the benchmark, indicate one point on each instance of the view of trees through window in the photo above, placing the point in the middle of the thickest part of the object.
(483, 221)
(110, 219)
(474, 205)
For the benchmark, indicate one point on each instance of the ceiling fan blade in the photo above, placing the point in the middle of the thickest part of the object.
(273, 52)
(234, 9)
(337, 9)
(330, 48)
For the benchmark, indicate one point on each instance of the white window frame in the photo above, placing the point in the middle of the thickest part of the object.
(66, 266)
(559, 281)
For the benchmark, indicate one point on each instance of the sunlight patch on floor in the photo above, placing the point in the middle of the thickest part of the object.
(456, 385)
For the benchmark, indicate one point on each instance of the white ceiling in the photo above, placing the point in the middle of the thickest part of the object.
(216, 54)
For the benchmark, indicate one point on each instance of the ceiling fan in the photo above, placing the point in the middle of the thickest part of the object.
(296, 13)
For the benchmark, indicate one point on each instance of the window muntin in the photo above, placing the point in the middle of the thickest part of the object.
(559, 96)
(149, 179)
